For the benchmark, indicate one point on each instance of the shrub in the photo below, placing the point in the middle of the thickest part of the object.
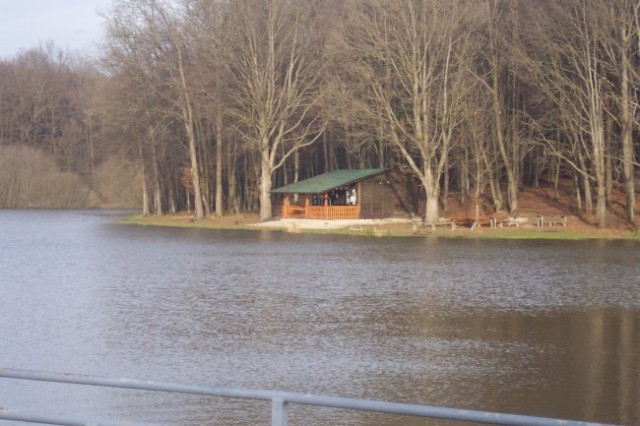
(30, 179)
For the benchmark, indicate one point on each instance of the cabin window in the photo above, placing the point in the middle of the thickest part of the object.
(352, 196)
(317, 199)
(343, 196)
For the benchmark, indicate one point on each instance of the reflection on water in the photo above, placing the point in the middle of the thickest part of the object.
(532, 327)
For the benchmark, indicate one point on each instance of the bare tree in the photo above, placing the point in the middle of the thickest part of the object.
(250, 85)
(619, 32)
(574, 75)
(501, 84)
(207, 25)
(412, 55)
(147, 38)
(275, 76)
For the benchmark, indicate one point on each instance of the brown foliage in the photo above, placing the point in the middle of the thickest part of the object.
(116, 183)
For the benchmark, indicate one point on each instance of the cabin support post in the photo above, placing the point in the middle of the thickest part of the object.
(306, 206)
(359, 197)
(326, 205)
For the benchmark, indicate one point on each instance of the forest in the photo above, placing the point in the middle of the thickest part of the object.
(208, 105)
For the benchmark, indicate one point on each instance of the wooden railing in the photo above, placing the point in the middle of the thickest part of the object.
(316, 212)
(293, 211)
(320, 212)
(344, 212)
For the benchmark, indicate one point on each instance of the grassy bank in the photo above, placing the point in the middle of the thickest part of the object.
(248, 222)
(186, 221)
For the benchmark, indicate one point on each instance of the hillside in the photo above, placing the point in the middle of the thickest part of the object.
(544, 201)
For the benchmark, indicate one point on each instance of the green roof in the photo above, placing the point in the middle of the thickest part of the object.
(327, 181)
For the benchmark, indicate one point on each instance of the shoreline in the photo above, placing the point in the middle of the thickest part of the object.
(382, 228)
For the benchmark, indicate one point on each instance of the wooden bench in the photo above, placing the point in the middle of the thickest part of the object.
(551, 220)
(530, 220)
(441, 222)
(473, 224)
(509, 221)
(490, 222)
(539, 221)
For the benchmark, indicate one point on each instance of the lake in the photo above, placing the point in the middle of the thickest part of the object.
(545, 328)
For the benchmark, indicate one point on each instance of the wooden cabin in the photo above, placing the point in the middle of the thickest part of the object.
(350, 194)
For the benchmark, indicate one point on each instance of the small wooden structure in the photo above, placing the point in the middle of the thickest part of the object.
(349, 194)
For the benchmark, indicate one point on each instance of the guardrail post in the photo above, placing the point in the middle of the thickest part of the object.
(279, 412)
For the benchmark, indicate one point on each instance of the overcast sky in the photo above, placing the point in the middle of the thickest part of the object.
(71, 24)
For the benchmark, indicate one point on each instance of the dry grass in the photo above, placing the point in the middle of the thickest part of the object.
(186, 220)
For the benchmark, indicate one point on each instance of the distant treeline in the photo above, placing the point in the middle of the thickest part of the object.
(213, 103)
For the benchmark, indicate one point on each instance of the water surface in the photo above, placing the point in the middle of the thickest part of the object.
(544, 328)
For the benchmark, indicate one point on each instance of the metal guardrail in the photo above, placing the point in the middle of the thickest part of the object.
(279, 402)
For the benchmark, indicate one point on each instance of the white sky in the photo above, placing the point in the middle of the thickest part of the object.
(73, 25)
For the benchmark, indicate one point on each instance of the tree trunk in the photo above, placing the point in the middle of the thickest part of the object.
(555, 166)
(510, 164)
(431, 187)
(602, 205)
(325, 152)
(296, 171)
(145, 190)
(599, 147)
(145, 198)
(627, 137)
(195, 174)
(476, 196)
(157, 191)
(157, 194)
(536, 166)
(588, 197)
(496, 193)
(189, 123)
(205, 205)
(431, 211)
(608, 176)
(445, 186)
(265, 189)
(586, 186)
(171, 196)
(219, 208)
(464, 177)
(232, 196)
(576, 184)
(512, 191)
